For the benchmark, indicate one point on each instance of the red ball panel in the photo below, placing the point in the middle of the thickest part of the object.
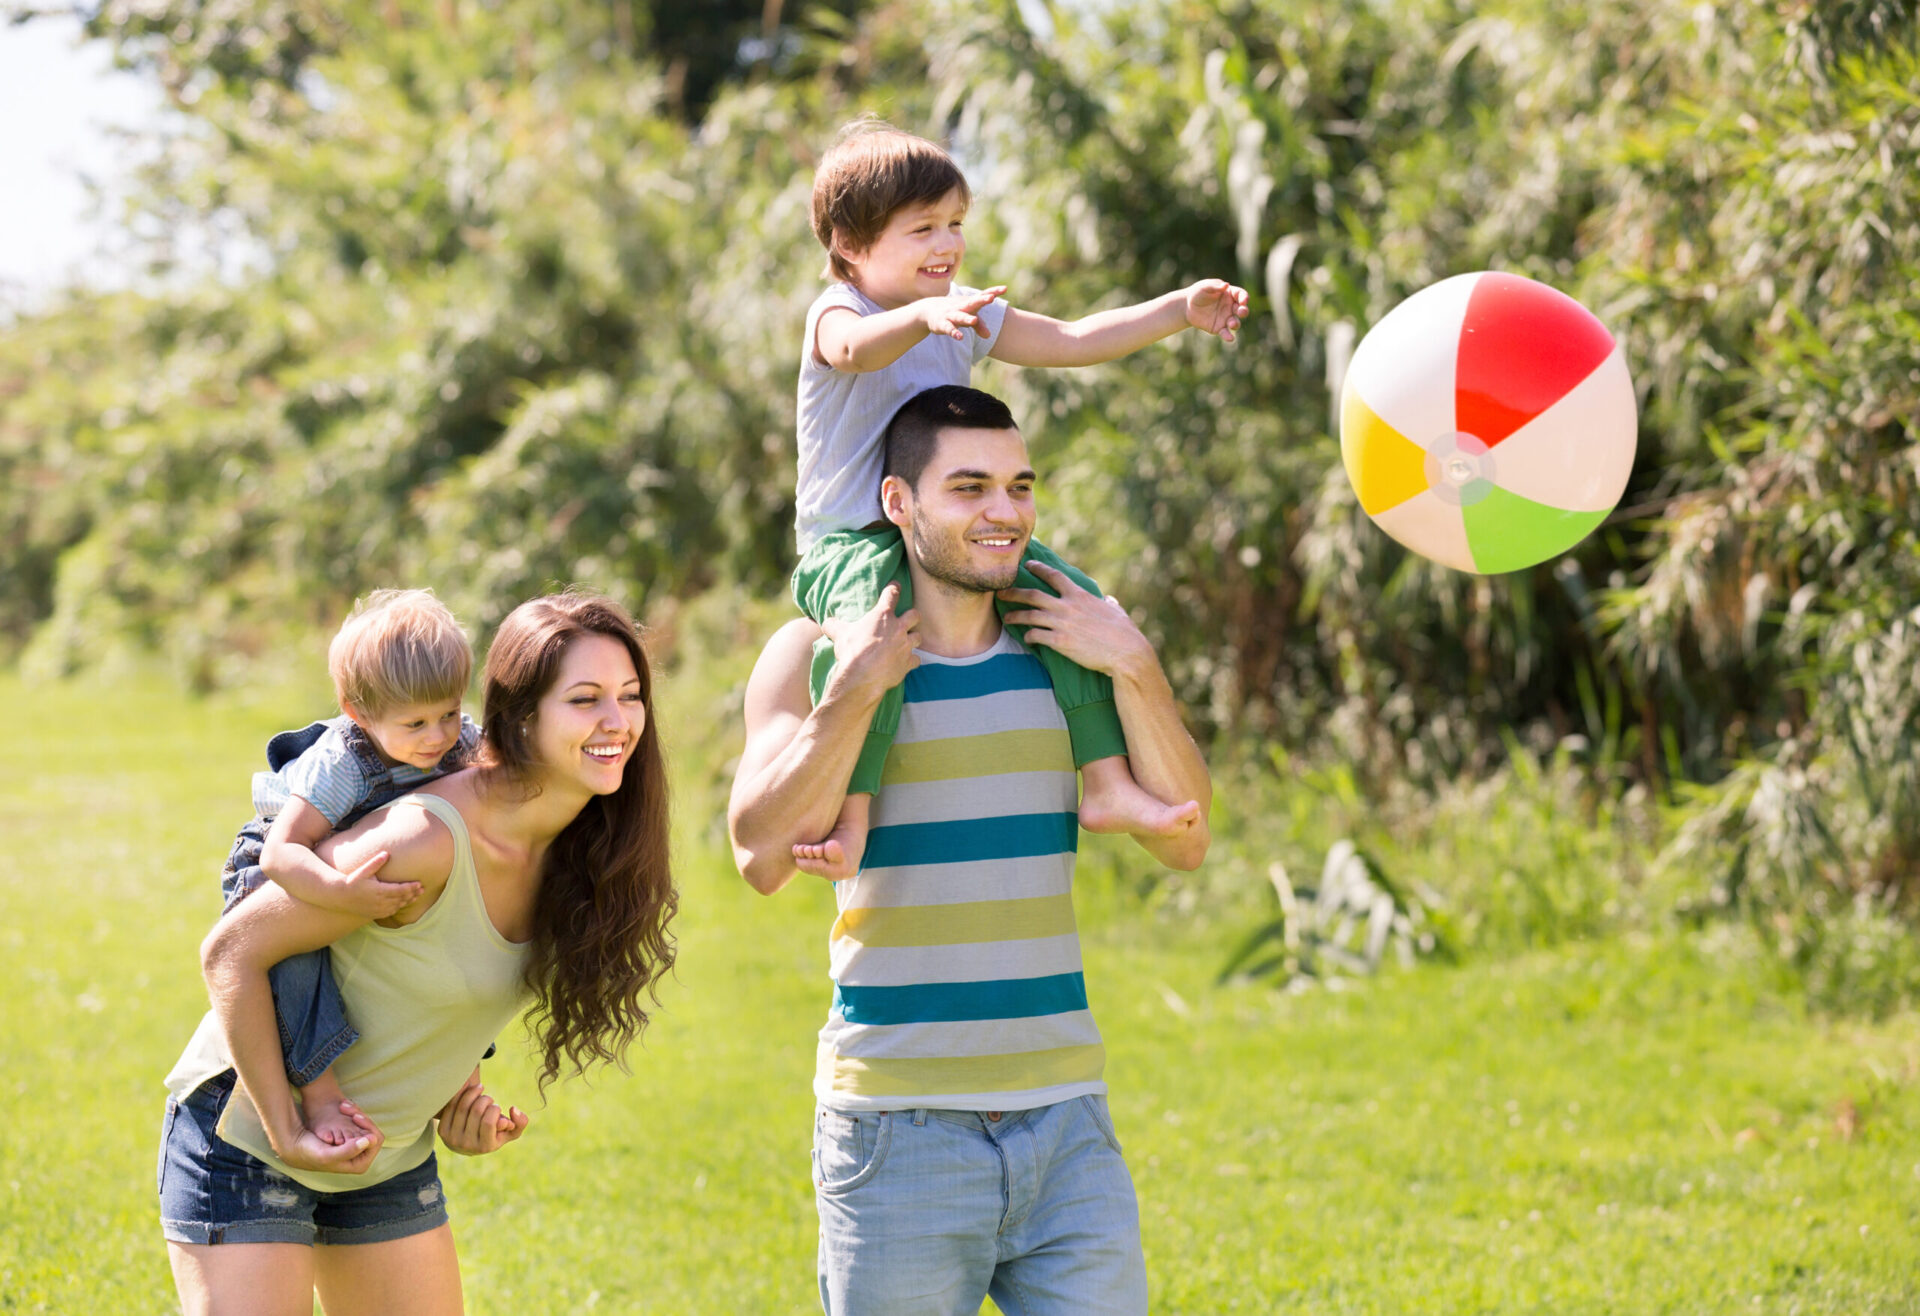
(1522, 346)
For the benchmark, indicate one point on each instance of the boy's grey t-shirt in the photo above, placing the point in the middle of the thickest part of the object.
(330, 777)
(843, 417)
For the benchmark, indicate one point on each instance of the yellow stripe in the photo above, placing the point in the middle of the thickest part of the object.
(909, 1076)
(1038, 749)
(958, 925)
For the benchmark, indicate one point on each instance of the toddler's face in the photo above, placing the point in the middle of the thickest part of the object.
(418, 735)
(916, 255)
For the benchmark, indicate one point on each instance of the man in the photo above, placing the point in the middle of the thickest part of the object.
(962, 1146)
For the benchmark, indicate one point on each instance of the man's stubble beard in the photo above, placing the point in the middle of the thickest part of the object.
(946, 563)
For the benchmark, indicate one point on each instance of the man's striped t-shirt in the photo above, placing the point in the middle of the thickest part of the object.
(955, 958)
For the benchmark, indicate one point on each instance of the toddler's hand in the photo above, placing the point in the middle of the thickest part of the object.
(1217, 307)
(362, 892)
(952, 316)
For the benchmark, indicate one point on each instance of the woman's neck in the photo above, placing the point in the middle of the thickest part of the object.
(520, 820)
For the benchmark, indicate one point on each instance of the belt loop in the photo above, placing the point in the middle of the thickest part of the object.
(920, 1117)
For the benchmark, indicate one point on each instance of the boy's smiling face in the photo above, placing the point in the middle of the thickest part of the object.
(916, 255)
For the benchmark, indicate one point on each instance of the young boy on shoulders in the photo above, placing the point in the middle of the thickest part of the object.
(889, 208)
(400, 665)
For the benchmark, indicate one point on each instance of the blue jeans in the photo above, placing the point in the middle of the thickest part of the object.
(927, 1212)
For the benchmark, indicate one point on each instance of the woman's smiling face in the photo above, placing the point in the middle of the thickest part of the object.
(591, 718)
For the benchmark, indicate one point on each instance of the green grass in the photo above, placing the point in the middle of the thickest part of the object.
(1631, 1126)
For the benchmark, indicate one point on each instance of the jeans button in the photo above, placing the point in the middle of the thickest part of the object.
(994, 1115)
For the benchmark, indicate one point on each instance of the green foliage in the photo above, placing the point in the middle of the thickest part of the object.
(515, 293)
(1344, 926)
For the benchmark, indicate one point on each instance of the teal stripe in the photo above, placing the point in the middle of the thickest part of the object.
(954, 1002)
(1005, 671)
(969, 840)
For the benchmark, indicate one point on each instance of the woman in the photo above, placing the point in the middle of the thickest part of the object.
(544, 875)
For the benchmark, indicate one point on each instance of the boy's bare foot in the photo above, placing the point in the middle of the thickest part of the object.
(837, 856)
(1113, 802)
(335, 1120)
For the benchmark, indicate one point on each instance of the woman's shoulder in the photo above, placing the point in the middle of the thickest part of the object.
(418, 836)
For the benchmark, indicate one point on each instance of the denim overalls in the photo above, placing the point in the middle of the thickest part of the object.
(313, 1020)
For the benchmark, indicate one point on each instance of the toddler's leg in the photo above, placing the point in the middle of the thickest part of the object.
(838, 856)
(314, 1031)
(843, 576)
(241, 876)
(1112, 800)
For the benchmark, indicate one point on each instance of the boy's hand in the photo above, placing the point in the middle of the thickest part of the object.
(1217, 307)
(473, 1124)
(953, 315)
(362, 893)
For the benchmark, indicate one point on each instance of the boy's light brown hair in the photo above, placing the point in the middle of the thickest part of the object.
(399, 647)
(870, 173)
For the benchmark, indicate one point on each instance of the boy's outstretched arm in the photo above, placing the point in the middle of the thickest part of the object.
(1027, 339)
(855, 344)
(287, 858)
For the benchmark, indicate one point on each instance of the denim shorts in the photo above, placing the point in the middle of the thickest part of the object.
(212, 1192)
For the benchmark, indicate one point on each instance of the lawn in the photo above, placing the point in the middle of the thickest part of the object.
(1623, 1127)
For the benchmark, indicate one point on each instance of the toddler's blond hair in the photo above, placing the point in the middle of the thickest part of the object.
(399, 647)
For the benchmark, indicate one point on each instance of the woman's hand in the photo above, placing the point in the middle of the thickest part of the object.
(473, 1124)
(303, 1149)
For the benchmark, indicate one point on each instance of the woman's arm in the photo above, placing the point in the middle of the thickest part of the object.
(270, 926)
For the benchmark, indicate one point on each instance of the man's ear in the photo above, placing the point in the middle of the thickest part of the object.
(896, 501)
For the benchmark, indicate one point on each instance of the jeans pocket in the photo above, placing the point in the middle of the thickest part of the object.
(1103, 1120)
(166, 1139)
(848, 1149)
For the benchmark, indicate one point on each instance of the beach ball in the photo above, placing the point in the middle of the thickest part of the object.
(1488, 422)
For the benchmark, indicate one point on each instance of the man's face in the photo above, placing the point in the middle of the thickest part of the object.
(969, 520)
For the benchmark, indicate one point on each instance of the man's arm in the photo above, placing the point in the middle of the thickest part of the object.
(793, 774)
(1027, 339)
(1098, 634)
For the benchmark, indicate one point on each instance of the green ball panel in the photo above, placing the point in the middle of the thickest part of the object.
(1509, 533)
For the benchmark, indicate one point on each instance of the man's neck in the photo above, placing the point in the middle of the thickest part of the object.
(954, 623)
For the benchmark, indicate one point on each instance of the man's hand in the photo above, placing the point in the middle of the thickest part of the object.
(363, 894)
(473, 1124)
(1217, 307)
(1092, 631)
(873, 653)
(951, 316)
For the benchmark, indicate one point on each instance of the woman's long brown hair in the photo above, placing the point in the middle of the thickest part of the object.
(600, 941)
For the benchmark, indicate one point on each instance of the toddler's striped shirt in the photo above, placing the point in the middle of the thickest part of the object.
(955, 958)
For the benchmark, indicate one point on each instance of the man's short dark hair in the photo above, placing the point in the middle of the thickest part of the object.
(914, 431)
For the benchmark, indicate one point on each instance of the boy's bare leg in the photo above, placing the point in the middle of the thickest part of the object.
(329, 1114)
(838, 855)
(1112, 801)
